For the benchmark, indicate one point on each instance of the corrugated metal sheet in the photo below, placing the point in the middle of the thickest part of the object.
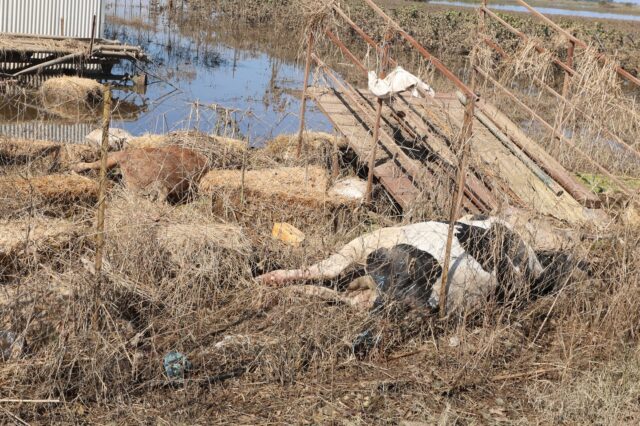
(40, 130)
(69, 18)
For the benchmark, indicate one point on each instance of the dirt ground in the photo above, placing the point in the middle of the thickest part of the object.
(177, 282)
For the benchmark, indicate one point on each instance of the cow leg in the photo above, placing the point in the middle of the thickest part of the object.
(112, 160)
(354, 253)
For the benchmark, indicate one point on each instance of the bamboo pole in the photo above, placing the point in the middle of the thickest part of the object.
(376, 127)
(303, 101)
(104, 147)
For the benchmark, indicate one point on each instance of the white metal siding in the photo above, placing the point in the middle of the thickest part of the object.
(44, 17)
(42, 130)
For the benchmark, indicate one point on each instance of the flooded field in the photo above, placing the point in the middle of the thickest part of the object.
(198, 81)
(576, 10)
(478, 262)
(195, 81)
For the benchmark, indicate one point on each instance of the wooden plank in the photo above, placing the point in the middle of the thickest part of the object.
(539, 155)
(474, 188)
(358, 136)
(336, 110)
(520, 180)
(397, 183)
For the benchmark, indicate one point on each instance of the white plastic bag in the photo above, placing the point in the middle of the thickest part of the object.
(398, 80)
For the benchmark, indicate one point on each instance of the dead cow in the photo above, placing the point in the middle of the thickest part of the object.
(168, 172)
(406, 263)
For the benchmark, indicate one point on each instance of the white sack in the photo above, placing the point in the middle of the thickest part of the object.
(397, 81)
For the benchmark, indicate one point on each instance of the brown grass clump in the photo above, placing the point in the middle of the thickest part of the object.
(318, 148)
(25, 243)
(35, 157)
(72, 97)
(222, 152)
(287, 184)
(51, 194)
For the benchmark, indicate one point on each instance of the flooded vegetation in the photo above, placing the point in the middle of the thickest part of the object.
(202, 79)
(477, 261)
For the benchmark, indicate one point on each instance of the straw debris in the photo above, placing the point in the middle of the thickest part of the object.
(52, 194)
(72, 97)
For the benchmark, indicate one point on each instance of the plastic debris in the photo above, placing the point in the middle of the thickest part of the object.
(176, 365)
(397, 81)
(351, 188)
(288, 234)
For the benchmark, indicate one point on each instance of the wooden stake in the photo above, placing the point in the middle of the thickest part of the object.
(303, 101)
(93, 37)
(461, 175)
(376, 127)
(104, 148)
(567, 76)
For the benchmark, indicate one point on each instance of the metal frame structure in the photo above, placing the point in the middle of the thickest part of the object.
(570, 71)
(467, 190)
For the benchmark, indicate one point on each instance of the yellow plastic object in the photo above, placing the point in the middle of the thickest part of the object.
(288, 234)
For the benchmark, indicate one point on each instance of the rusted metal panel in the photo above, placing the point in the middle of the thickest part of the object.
(66, 18)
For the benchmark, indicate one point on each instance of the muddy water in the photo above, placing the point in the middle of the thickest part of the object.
(197, 81)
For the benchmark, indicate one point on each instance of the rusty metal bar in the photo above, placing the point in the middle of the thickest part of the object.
(567, 102)
(424, 52)
(376, 128)
(346, 50)
(524, 38)
(355, 26)
(93, 37)
(554, 131)
(303, 101)
(602, 58)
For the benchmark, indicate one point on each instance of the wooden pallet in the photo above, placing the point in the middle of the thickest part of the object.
(497, 178)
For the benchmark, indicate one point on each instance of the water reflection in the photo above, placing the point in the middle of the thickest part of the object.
(194, 75)
(546, 10)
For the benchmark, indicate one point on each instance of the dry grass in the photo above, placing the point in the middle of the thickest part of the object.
(180, 278)
(72, 97)
(34, 157)
(51, 194)
(225, 153)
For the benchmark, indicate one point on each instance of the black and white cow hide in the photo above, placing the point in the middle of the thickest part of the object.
(488, 259)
